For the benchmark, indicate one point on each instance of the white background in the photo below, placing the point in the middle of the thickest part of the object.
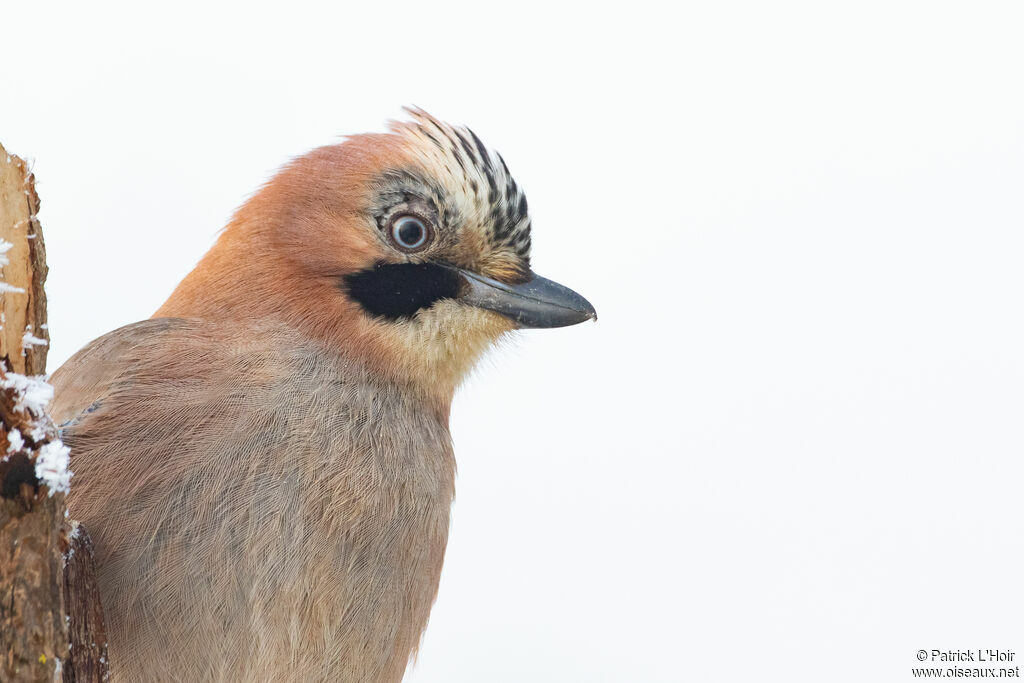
(790, 450)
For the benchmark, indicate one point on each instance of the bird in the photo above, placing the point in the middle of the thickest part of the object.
(265, 466)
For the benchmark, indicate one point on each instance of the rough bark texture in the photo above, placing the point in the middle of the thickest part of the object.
(22, 313)
(88, 657)
(34, 635)
(34, 531)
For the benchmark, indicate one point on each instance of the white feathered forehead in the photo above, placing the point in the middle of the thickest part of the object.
(481, 182)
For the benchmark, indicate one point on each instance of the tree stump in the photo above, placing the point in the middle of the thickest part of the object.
(51, 625)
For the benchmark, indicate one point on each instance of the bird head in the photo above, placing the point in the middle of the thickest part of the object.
(410, 250)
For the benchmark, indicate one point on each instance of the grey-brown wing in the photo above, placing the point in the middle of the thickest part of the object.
(85, 379)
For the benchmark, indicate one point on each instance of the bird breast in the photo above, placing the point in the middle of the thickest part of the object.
(263, 509)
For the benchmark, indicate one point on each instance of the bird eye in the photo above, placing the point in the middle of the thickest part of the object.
(409, 233)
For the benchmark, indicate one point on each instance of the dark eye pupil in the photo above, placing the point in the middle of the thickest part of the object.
(410, 233)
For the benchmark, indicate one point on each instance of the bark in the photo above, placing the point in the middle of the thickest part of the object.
(33, 635)
(88, 657)
(22, 311)
(34, 531)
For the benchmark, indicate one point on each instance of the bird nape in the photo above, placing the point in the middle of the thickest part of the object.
(265, 465)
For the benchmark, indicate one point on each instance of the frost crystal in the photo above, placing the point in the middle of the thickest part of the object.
(30, 393)
(4, 248)
(15, 441)
(52, 462)
(28, 339)
(71, 546)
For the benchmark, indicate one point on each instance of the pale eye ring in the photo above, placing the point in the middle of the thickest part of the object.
(410, 232)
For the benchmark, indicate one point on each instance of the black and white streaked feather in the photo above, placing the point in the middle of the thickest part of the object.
(480, 189)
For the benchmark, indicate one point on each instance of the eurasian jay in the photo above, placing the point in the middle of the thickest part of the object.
(265, 465)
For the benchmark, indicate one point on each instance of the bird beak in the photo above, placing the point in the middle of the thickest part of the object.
(538, 302)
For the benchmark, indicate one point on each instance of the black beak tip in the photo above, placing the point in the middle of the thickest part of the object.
(535, 303)
(565, 307)
(587, 311)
